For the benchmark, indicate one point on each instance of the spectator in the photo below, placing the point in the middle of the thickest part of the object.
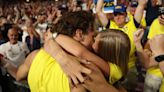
(129, 26)
(33, 40)
(14, 53)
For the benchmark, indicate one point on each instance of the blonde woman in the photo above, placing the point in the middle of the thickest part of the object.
(113, 46)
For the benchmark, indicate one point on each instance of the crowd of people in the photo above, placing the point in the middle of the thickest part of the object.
(74, 46)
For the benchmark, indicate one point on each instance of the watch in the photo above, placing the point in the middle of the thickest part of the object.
(159, 58)
(54, 35)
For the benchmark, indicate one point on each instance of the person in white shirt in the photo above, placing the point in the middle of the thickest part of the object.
(13, 54)
(14, 51)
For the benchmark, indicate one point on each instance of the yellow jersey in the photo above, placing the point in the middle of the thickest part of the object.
(115, 73)
(155, 29)
(45, 75)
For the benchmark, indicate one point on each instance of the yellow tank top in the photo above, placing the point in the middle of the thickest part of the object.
(45, 75)
(156, 29)
(115, 73)
(129, 29)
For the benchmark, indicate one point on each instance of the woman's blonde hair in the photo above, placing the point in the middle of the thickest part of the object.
(114, 46)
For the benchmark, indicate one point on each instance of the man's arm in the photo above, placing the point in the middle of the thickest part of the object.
(23, 70)
(157, 47)
(140, 10)
(161, 66)
(102, 16)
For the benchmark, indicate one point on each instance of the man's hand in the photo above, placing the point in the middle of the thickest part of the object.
(69, 64)
(72, 67)
(94, 79)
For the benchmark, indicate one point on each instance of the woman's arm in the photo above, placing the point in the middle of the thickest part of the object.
(75, 48)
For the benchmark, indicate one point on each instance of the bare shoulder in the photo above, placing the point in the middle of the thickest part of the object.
(30, 57)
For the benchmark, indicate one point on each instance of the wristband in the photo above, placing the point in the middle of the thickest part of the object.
(159, 58)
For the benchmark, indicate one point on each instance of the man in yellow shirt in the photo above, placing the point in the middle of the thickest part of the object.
(46, 75)
(156, 28)
(127, 25)
(131, 11)
(154, 79)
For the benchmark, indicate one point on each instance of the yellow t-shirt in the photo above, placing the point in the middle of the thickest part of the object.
(156, 29)
(129, 29)
(115, 73)
(45, 75)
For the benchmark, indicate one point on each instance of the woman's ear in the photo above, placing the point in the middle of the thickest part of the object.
(78, 35)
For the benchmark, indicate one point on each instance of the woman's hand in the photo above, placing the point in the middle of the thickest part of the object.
(69, 64)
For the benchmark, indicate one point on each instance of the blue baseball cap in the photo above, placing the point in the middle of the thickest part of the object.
(120, 8)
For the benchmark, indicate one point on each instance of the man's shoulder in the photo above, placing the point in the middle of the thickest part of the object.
(5, 45)
(156, 25)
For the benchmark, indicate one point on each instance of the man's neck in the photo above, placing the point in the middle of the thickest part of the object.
(13, 43)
